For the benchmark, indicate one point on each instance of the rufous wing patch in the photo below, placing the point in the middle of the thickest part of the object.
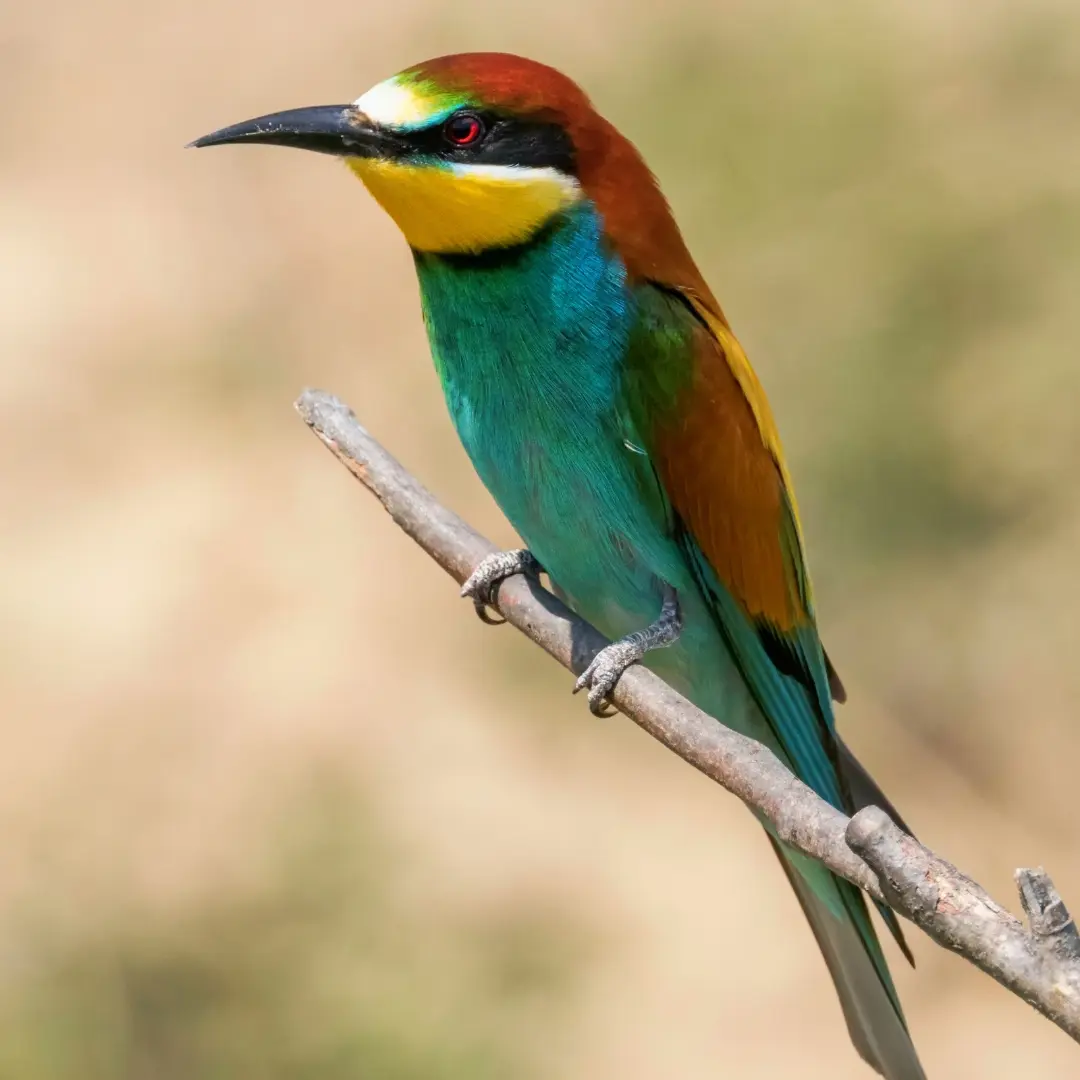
(728, 488)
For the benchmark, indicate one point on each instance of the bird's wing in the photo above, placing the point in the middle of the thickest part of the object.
(712, 440)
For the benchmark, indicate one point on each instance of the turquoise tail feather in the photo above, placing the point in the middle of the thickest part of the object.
(800, 726)
(871, 1010)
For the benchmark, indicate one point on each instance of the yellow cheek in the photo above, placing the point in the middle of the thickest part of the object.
(440, 210)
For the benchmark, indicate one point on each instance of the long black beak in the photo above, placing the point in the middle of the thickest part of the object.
(327, 129)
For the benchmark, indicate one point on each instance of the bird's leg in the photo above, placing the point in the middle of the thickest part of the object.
(610, 662)
(483, 583)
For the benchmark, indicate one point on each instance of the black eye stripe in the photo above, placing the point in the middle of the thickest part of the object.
(503, 140)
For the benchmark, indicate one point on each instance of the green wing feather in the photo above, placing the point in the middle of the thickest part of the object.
(733, 512)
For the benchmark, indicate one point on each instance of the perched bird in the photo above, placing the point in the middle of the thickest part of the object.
(605, 402)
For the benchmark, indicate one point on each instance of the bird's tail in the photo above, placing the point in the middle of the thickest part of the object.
(854, 959)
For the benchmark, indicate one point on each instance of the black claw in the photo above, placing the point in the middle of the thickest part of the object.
(483, 616)
(603, 708)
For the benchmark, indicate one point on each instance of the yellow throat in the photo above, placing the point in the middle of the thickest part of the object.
(466, 208)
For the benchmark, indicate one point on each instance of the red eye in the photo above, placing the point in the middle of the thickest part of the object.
(463, 129)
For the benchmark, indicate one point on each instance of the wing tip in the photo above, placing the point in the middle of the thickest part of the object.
(836, 687)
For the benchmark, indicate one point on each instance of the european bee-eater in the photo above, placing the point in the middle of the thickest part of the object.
(605, 402)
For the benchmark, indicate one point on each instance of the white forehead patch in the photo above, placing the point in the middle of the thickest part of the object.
(393, 105)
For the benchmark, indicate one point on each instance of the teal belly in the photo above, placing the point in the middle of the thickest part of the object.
(529, 346)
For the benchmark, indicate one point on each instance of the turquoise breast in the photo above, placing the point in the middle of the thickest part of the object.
(529, 345)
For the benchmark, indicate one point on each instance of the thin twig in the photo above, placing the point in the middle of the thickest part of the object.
(1040, 965)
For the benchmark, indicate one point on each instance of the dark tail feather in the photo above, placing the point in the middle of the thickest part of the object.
(836, 687)
(863, 790)
(862, 786)
(873, 1018)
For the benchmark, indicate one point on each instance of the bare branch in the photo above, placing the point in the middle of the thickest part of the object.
(1041, 965)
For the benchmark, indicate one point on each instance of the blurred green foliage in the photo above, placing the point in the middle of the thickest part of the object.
(317, 971)
(866, 260)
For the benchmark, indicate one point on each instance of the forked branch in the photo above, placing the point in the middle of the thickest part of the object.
(1040, 964)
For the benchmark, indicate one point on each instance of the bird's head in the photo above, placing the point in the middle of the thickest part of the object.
(479, 151)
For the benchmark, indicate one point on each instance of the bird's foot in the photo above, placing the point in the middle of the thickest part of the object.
(483, 583)
(607, 666)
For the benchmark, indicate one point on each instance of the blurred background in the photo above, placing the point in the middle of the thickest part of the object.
(242, 835)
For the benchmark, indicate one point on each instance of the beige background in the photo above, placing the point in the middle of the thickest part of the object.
(273, 804)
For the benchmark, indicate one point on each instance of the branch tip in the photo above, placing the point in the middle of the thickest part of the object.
(1049, 918)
